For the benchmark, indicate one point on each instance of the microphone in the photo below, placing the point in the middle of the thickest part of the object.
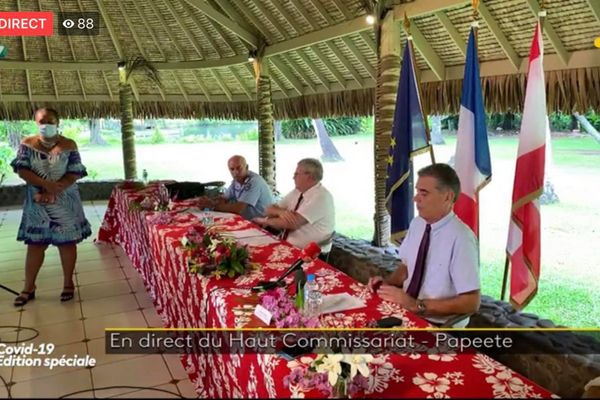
(309, 253)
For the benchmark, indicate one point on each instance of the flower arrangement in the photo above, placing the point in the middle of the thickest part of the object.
(159, 201)
(285, 313)
(210, 253)
(334, 375)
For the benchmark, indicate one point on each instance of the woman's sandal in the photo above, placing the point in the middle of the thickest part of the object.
(67, 294)
(23, 298)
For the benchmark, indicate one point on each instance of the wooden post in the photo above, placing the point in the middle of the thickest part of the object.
(266, 133)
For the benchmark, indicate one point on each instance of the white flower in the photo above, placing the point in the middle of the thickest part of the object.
(331, 364)
(358, 363)
(430, 382)
(505, 381)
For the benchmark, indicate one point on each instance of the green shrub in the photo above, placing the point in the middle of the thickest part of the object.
(249, 135)
(6, 156)
(157, 137)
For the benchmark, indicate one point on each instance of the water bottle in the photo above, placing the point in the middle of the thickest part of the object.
(312, 297)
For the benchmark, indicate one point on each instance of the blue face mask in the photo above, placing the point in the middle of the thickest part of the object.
(48, 131)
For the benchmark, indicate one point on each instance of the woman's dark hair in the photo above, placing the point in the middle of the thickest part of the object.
(48, 110)
(446, 177)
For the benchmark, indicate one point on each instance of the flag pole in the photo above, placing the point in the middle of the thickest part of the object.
(475, 26)
(414, 64)
(504, 279)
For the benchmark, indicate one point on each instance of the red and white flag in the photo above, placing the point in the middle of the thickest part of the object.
(524, 232)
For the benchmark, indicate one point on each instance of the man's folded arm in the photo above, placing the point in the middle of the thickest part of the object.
(464, 303)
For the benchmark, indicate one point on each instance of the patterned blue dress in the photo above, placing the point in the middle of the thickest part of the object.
(62, 222)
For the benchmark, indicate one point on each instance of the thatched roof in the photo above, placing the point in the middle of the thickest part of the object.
(322, 53)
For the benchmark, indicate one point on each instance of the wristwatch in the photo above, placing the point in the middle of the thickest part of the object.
(421, 308)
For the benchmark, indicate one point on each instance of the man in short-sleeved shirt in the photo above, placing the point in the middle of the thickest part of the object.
(450, 281)
(248, 195)
(307, 213)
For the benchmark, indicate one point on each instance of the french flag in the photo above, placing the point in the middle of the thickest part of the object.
(472, 157)
(524, 232)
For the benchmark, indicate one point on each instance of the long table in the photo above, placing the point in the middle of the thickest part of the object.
(185, 300)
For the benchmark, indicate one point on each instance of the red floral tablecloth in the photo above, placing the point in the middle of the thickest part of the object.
(184, 300)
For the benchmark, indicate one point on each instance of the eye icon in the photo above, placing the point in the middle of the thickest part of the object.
(68, 23)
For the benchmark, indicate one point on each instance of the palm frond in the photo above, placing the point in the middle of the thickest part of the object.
(141, 65)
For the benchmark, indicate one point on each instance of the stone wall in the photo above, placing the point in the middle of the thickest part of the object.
(89, 190)
(562, 362)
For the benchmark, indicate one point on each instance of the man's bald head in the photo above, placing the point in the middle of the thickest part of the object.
(238, 167)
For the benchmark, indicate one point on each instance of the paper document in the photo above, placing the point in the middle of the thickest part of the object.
(246, 233)
(257, 240)
(212, 214)
(340, 302)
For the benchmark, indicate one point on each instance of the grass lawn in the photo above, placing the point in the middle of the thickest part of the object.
(569, 290)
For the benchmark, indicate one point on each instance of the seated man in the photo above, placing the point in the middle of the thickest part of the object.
(306, 214)
(439, 274)
(248, 194)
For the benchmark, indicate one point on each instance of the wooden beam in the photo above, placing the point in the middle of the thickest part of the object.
(180, 86)
(347, 15)
(163, 21)
(270, 17)
(201, 84)
(219, 80)
(232, 13)
(72, 53)
(346, 63)
(510, 52)
(360, 57)
(419, 8)
(323, 35)
(97, 56)
(186, 30)
(338, 76)
(137, 41)
(552, 62)
(453, 32)
(304, 77)
(49, 53)
(428, 53)
(320, 56)
(285, 71)
(115, 41)
(313, 68)
(24, 48)
(234, 27)
(551, 33)
(578, 59)
(595, 6)
(239, 81)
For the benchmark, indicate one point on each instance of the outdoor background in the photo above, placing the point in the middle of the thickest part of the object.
(569, 290)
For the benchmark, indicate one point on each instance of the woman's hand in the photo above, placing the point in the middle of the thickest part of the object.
(53, 187)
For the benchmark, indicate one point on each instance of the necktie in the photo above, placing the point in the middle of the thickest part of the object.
(286, 232)
(417, 278)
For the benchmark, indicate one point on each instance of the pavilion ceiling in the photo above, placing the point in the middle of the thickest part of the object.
(322, 55)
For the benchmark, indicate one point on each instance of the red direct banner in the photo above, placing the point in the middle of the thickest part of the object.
(26, 23)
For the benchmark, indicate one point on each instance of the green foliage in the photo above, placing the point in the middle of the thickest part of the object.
(249, 135)
(303, 128)
(92, 174)
(23, 128)
(6, 156)
(367, 125)
(594, 119)
(157, 137)
(560, 122)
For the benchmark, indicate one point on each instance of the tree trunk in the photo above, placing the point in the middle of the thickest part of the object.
(266, 138)
(277, 131)
(589, 128)
(329, 152)
(388, 74)
(95, 138)
(508, 122)
(436, 130)
(14, 135)
(127, 131)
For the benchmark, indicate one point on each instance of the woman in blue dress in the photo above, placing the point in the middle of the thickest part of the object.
(52, 214)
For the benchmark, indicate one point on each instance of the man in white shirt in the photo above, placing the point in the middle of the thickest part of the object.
(307, 213)
(439, 274)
